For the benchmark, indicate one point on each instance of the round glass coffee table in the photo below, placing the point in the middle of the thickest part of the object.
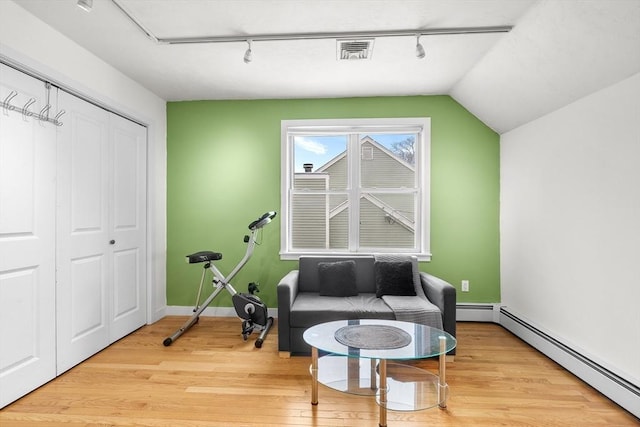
(351, 356)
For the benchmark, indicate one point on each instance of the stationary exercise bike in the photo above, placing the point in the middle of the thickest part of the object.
(248, 306)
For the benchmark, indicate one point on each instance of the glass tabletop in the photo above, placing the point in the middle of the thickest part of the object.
(406, 340)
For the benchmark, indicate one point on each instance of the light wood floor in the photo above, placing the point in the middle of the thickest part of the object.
(211, 377)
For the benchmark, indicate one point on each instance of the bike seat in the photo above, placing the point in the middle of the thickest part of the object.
(203, 256)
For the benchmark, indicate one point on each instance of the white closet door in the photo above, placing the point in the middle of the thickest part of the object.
(101, 231)
(128, 145)
(83, 235)
(27, 240)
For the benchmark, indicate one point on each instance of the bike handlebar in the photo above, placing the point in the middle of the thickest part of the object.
(262, 221)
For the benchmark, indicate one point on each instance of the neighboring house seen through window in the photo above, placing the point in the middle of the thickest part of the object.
(356, 186)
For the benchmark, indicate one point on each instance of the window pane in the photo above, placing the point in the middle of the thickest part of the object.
(387, 161)
(387, 220)
(309, 225)
(319, 221)
(320, 161)
(339, 221)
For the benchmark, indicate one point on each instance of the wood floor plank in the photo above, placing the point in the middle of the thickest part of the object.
(210, 377)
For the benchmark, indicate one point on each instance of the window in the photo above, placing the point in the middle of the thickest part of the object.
(356, 186)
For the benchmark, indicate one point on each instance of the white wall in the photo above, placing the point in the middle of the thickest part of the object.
(28, 41)
(570, 225)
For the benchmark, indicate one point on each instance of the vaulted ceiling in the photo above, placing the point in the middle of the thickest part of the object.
(557, 51)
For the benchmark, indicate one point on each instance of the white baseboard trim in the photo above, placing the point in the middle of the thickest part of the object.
(178, 310)
(156, 315)
(616, 388)
(465, 312)
(474, 312)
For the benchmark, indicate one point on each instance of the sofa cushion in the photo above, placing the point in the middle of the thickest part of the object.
(338, 279)
(394, 278)
(414, 264)
(309, 309)
(309, 278)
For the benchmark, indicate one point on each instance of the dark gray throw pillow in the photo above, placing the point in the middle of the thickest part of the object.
(338, 279)
(394, 278)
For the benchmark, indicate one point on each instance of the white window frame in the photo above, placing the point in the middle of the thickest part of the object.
(419, 125)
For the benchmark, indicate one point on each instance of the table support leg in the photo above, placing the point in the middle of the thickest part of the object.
(372, 375)
(314, 376)
(443, 388)
(383, 392)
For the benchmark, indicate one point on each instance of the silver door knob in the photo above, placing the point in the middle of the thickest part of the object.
(112, 242)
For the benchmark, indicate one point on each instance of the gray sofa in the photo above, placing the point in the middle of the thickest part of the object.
(323, 289)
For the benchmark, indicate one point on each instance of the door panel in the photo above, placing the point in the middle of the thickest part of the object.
(128, 226)
(88, 172)
(87, 290)
(126, 295)
(27, 240)
(82, 232)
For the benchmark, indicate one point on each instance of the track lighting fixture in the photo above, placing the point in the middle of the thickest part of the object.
(341, 37)
(419, 49)
(248, 56)
(85, 5)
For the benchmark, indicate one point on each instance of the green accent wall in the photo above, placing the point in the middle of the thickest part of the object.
(223, 171)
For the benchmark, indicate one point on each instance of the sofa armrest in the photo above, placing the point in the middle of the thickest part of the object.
(443, 295)
(287, 291)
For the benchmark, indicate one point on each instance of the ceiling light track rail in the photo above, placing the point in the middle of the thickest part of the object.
(333, 35)
(311, 36)
(137, 23)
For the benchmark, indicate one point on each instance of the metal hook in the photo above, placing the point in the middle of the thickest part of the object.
(6, 104)
(56, 120)
(25, 110)
(44, 113)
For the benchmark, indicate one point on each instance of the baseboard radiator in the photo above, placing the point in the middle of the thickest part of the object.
(473, 312)
(616, 388)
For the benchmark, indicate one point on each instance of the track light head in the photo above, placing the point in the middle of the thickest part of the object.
(419, 48)
(85, 5)
(248, 55)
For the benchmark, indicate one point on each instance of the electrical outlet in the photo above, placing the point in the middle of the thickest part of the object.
(465, 286)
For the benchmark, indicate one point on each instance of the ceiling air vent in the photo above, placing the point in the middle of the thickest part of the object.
(355, 49)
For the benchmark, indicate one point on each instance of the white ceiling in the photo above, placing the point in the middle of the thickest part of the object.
(558, 51)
